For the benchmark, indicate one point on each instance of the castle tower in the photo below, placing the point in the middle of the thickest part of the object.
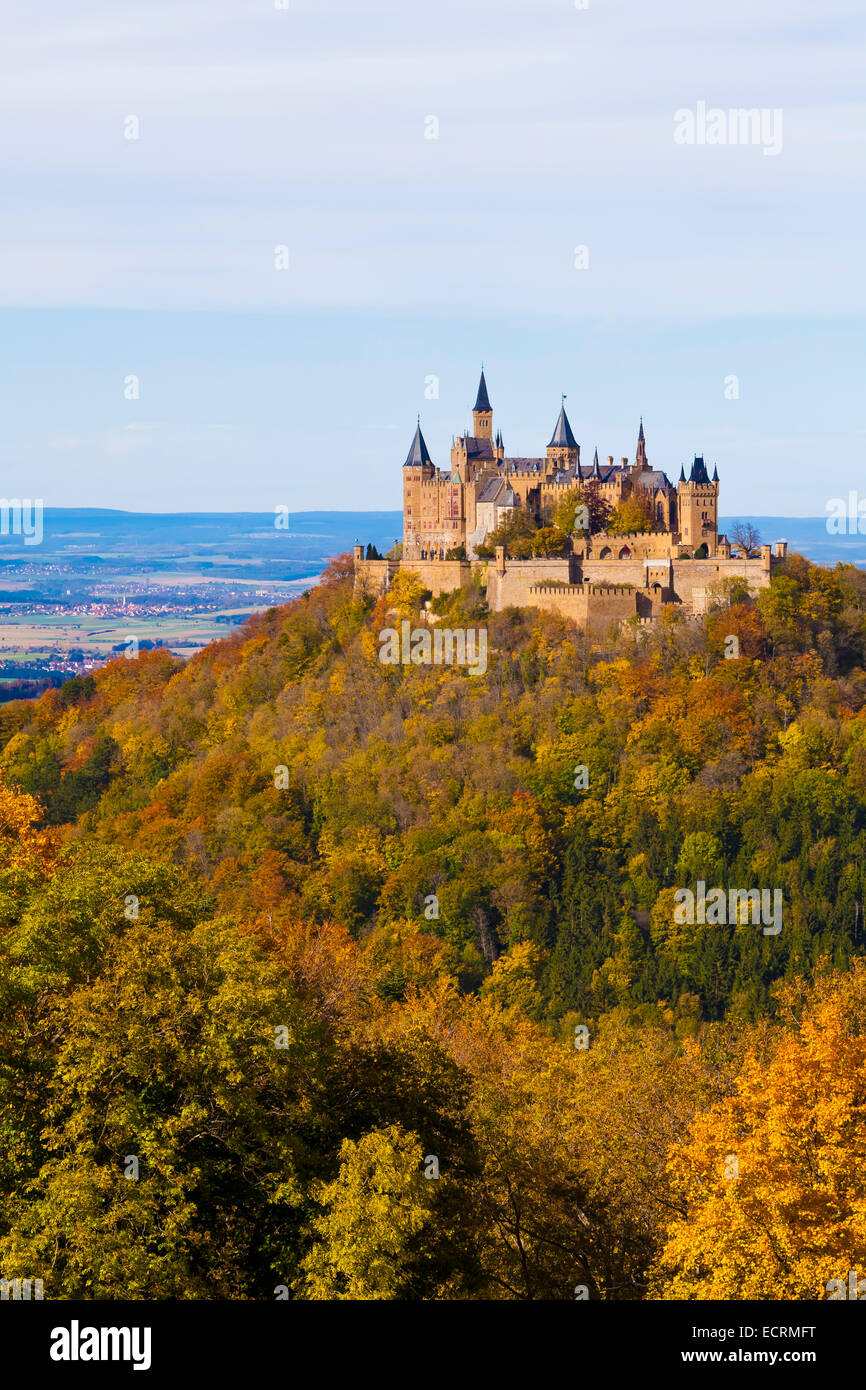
(698, 507)
(418, 471)
(563, 449)
(482, 412)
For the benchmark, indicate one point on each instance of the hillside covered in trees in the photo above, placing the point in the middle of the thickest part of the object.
(353, 980)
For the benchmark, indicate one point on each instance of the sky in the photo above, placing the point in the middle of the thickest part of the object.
(243, 246)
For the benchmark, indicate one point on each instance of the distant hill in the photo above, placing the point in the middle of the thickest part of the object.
(221, 542)
(806, 534)
(218, 543)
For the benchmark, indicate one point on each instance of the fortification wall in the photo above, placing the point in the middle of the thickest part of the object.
(693, 578)
(509, 587)
(374, 577)
(616, 572)
(440, 576)
(686, 582)
(593, 610)
(641, 544)
(519, 583)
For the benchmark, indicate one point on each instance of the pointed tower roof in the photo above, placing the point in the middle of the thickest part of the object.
(640, 456)
(482, 400)
(562, 435)
(419, 453)
(682, 476)
(699, 471)
(596, 471)
(715, 473)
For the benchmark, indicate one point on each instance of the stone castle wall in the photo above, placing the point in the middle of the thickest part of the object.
(594, 610)
(509, 581)
(641, 544)
(538, 583)
(374, 577)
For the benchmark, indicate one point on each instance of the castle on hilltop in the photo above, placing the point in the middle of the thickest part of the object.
(601, 573)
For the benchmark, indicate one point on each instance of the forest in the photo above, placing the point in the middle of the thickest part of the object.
(328, 979)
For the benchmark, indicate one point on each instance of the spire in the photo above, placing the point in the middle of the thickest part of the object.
(699, 471)
(715, 474)
(482, 400)
(640, 456)
(419, 453)
(596, 471)
(562, 435)
(682, 476)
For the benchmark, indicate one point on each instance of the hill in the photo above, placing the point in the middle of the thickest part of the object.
(291, 925)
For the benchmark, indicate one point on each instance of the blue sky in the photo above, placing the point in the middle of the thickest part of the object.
(412, 257)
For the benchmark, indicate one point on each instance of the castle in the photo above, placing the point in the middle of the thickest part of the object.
(608, 574)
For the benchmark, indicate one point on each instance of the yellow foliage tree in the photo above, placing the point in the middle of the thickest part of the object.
(634, 513)
(770, 1180)
(406, 592)
(372, 1214)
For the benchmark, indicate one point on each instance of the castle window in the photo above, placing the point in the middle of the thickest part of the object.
(625, 553)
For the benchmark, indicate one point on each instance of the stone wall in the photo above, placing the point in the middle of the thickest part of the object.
(693, 578)
(373, 577)
(686, 581)
(509, 581)
(594, 610)
(440, 576)
(640, 543)
(527, 583)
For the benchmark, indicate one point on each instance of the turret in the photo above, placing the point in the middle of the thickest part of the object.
(419, 454)
(563, 447)
(698, 507)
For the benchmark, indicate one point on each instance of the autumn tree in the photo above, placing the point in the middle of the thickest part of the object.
(634, 513)
(372, 1221)
(582, 509)
(769, 1180)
